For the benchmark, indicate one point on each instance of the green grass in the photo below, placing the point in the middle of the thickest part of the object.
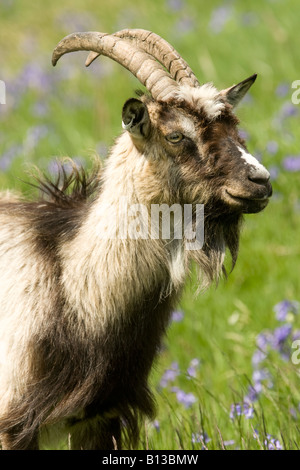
(69, 110)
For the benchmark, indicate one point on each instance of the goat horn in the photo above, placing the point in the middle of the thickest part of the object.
(163, 52)
(141, 64)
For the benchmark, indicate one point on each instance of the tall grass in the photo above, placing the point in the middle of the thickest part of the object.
(214, 390)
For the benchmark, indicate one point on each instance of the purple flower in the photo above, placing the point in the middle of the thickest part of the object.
(193, 367)
(280, 336)
(283, 89)
(185, 399)
(260, 374)
(200, 438)
(241, 409)
(272, 443)
(248, 411)
(293, 412)
(243, 134)
(40, 109)
(272, 147)
(288, 110)
(177, 316)
(170, 375)
(258, 357)
(77, 21)
(283, 308)
(274, 172)
(292, 163)
(235, 410)
(220, 16)
(262, 341)
(253, 392)
(231, 442)
(296, 335)
(35, 77)
(34, 135)
(249, 19)
(156, 425)
(184, 25)
(175, 5)
(7, 157)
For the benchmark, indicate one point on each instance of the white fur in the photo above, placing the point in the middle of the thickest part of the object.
(206, 96)
(259, 170)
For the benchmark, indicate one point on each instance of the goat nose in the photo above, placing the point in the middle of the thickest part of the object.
(259, 174)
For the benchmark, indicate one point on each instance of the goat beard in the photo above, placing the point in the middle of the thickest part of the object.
(220, 234)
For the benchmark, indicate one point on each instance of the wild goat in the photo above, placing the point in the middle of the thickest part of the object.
(83, 315)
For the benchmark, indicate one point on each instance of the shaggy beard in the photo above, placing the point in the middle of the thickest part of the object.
(221, 232)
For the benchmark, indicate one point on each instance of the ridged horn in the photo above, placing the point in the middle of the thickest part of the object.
(159, 48)
(130, 55)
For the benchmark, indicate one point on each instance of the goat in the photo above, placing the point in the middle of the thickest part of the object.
(82, 316)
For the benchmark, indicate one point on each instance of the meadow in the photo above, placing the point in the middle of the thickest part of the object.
(229, 373)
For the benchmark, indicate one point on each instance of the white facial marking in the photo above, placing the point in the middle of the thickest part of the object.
(259, 170)
(188, 127)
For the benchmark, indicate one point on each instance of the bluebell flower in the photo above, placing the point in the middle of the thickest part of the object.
(272, 443)
(260, 374)
(185, 399)
(248, 411)
(34, 135)
(288, 110)
(39, 109)
(34, 76)
(282, 309)
(263, 340)
(274, 172)
(200, 438)
(253, 392)
(220, 16)
(170, 375)
(156, 425)
(230, 442)
(8, 156)
(295, 335)
(241, 409)
(243, 134)
(272, 147)
(177, 316)
(77, 21)
(193, 367)
(175, 5)
(280, 335)
(257, 357)
(249, 19)
(291, 163)
(184, 25)
(283, 89)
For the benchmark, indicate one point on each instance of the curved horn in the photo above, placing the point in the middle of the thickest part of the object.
(163, 52)
(141, 64)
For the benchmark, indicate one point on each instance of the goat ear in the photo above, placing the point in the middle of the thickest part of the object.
(135, 118)
(234, 94)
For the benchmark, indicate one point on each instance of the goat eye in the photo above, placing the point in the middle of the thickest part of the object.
(175, 137)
